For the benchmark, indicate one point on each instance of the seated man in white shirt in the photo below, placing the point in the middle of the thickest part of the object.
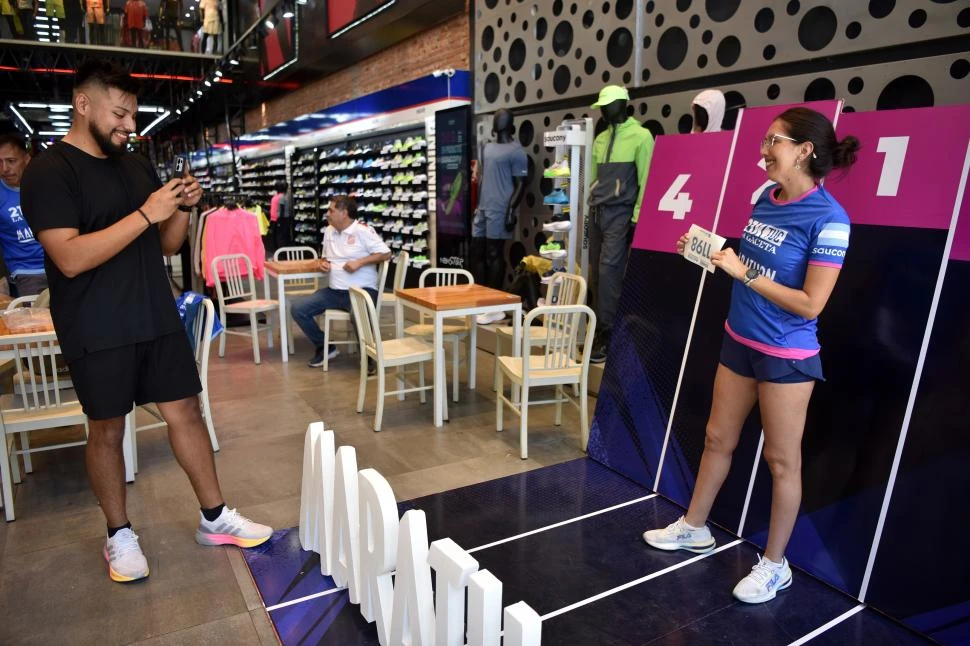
(351, 253)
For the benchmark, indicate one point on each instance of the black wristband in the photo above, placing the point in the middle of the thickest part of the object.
(146, 217)
(184, 209)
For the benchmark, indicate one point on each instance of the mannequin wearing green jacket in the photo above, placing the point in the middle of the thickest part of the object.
(621, 159)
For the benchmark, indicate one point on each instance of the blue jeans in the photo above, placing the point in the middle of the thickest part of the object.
(315, 304)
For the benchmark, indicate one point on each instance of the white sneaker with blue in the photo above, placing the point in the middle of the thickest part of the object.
(678, 535)
(764, 582)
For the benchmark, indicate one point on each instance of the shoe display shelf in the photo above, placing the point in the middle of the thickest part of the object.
(566, 242)
(215, 179)
(308, 217)
(258, 178)
(388, 176)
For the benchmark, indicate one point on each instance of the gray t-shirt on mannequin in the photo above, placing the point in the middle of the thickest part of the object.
(500, 163)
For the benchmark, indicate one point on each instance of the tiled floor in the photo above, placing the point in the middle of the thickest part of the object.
(53, 582)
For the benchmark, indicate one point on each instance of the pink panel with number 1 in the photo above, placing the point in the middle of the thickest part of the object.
(908, 168)
(747, 179)
(683, 188)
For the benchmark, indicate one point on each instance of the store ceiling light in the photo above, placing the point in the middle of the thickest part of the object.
(288, 13)
(22, 120)
(269, 24)
(198, 92)
(178, 110)
(61, 116)
(155, 123)
(208, 83)
(219, 73)
(191, 99)
(233, 61)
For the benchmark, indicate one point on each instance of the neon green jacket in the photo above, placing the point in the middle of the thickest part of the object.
(633, 143)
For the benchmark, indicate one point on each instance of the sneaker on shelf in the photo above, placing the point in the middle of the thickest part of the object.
(487, 319)
(558, 225)
(680, 536)
(552, 250)
(231, 528)
(558, 170)
(548, 276)
(420, 261)
(126, 562)
(558, 196)
(764, 581)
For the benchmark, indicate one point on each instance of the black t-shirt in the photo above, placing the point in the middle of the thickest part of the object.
(127, 299)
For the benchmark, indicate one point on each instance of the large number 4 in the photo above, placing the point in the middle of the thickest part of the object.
(676, 202)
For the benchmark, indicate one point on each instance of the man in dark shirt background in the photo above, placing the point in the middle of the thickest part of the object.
(105, 220)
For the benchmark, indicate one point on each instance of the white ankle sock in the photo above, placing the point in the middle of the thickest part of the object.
(689, 526)
(773, 564)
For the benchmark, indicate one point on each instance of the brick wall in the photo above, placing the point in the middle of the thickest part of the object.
(444, 45)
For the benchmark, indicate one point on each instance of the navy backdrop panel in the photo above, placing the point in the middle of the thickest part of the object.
(871, 332)
(637, 392)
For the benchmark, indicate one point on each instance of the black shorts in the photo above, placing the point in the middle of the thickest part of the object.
(753, 364)
(162, 370)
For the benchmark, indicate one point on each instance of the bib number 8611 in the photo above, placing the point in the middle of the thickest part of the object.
(700, 247)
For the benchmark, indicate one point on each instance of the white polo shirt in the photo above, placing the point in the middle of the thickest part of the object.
(353, 243)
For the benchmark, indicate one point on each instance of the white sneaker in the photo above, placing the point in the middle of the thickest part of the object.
(764, 582)
(679, 536)
(487, 319)
(231, 528)
(126, 562)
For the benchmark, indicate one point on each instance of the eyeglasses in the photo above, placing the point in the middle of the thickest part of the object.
(769, 141)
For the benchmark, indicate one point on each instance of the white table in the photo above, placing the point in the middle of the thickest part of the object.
(285, 271)
(439, 303)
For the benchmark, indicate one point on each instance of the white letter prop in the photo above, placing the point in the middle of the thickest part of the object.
(523, 626)
(310, 491)
(453, 566)
(484, 609)
(412, 621)
(346, 519)
(378, 549)
(326, 467)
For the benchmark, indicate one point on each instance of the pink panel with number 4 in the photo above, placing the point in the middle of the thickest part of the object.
(683, 188)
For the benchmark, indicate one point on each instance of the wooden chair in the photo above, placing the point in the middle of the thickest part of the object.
(563, 289)
(240, 298)
(385, 354)
(43, 405)
(452, 332)
(202, 334)
(303, 287)
(334, 316)
(389, 299)
(556, 366)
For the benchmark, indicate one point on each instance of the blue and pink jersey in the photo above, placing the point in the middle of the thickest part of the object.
(781, 240)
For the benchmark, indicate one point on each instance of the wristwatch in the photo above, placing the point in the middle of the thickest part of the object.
(750, 275)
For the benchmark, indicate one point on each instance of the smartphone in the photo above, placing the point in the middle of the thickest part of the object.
(179, 167)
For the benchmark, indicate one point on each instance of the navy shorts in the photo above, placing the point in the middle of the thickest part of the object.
(753, 364)
(490, 224)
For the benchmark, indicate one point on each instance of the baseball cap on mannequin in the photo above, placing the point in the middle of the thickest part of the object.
(611, 93)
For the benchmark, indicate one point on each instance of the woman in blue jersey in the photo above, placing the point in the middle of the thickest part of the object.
(790, 256)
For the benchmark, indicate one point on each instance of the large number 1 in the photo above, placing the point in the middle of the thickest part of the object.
(892, 165)
(676, 202)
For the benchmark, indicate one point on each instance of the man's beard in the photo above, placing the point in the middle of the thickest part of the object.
(104, 142)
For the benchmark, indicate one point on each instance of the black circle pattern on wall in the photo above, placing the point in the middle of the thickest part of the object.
(618, 41)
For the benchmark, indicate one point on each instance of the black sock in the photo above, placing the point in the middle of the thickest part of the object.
(114, 530)
(211, 514)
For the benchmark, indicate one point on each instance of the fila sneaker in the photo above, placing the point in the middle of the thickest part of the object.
(679, 536)
(231, 528)
(126, 562)
(764, 582)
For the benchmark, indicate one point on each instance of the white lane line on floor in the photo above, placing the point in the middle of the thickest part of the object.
(561, 523)
(635, 582)
(302, 599)
(482, 547)
(824, 627)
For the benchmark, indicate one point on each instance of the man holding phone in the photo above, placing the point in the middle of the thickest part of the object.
(351, 253)
(105, 220)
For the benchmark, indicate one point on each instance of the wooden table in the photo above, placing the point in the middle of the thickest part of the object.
(440, 303)
(287, 271)
(46, 333)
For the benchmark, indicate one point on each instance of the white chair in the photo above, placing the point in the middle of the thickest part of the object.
(202, 333)
(303, 287)
(42, 406)
(554, 367)
(452, 332)
(397, 282)
(240, 298)
(386, 354)
(334, 316)
(563, 289)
